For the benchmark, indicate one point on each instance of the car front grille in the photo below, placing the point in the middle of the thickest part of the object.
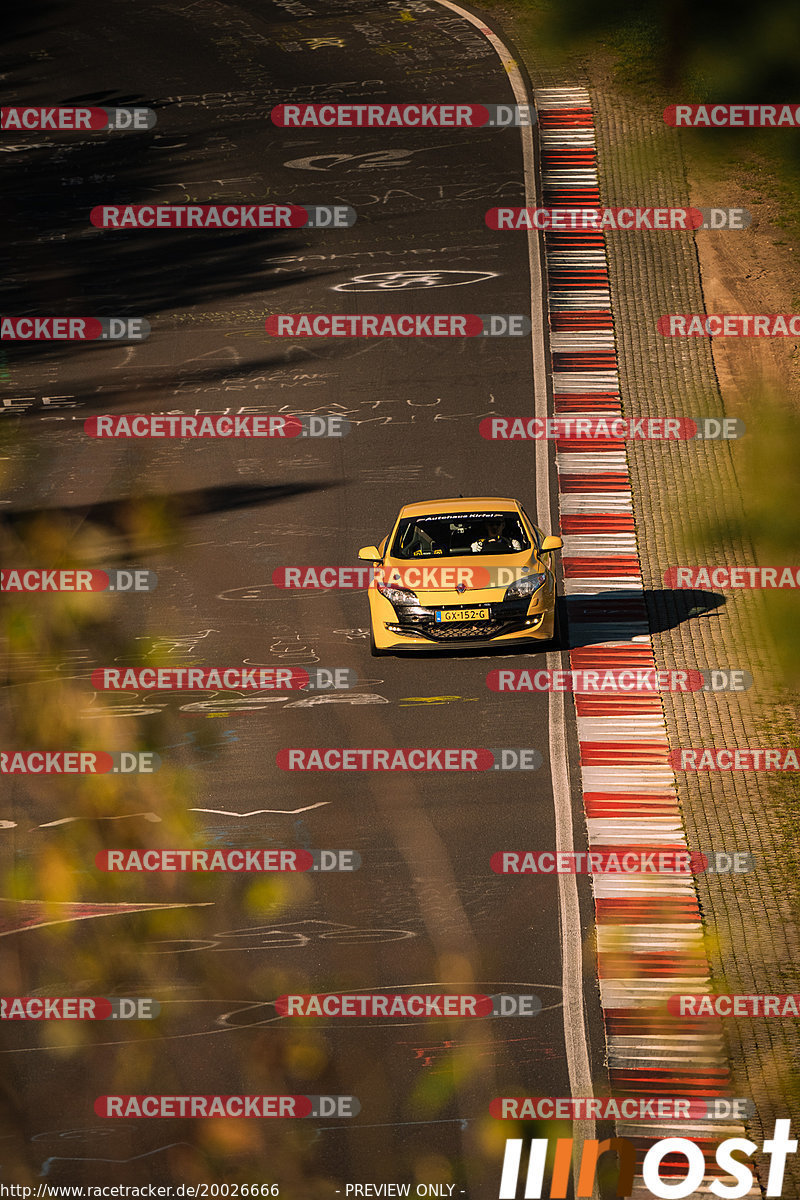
(464, 629)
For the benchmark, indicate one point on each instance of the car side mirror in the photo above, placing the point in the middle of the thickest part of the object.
(551, 543)
(370, 553)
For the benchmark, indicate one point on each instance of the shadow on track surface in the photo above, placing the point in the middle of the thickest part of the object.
(116, 517)
(616, 616)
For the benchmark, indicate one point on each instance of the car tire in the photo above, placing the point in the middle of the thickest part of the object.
(556, 641)
(374, 650)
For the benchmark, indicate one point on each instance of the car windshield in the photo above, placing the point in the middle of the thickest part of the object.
(459, 534)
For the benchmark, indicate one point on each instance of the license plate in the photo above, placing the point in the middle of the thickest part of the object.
(463, 614)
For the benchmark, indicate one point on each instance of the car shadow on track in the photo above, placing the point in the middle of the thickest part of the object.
(616, 616)
(612, 616)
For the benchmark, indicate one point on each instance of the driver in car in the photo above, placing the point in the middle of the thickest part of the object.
(494, 540)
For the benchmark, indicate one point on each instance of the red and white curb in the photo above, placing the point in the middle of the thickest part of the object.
(649, 931)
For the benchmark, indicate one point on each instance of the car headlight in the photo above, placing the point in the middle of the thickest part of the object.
(525, 586)
(397, 595)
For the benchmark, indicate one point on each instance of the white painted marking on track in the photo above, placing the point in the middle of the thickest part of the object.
(257, 812)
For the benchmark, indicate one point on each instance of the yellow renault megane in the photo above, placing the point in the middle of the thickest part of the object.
(463, 572)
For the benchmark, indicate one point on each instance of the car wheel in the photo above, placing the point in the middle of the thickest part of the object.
(556, 642)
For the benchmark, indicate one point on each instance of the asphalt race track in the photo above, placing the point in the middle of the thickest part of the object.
(424, 911)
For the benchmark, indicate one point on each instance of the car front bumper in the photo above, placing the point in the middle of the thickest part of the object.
(414, 627)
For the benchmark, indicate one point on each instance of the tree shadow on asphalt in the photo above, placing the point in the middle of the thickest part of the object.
(58, 264)
(121, 519)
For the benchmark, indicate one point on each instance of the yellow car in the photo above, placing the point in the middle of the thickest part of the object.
(462, 572)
